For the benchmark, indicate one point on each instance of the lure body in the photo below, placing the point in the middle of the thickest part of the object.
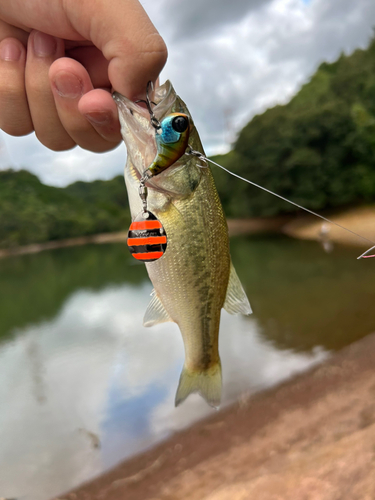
(194, 278)
(171, 142)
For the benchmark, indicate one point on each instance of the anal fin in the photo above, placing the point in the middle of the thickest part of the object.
(155, 312)
(236, 300)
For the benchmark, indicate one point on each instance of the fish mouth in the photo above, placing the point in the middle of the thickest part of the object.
(136, 128)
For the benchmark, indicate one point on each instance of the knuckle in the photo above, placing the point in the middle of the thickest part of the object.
(155, 48)
(57, 143)
(17, 128)
(58, 146)
(17, 132)
(14, 111)
(98, 146)
(35, 87)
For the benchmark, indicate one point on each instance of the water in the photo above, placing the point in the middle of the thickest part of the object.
(83, 385)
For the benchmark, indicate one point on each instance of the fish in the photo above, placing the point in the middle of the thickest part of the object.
(194, 278)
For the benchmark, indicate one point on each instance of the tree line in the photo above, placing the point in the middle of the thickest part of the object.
(31, 212)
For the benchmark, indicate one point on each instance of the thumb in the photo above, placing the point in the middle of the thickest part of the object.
(121, 29)
(124, 33)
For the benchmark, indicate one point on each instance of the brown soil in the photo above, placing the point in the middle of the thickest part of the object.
(312, 438)
(360, 220)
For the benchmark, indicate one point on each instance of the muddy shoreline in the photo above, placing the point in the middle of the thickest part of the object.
(360, 220)
(297, 440)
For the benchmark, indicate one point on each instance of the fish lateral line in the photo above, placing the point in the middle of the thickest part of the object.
(192, 152)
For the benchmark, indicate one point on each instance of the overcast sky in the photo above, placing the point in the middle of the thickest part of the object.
(228, 60)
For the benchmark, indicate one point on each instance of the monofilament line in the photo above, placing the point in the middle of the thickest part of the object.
(296, 204)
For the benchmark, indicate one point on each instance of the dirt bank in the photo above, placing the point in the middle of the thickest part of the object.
(360, 220)
(312, 438)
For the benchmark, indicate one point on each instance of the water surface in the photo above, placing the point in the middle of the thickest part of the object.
(83, 384)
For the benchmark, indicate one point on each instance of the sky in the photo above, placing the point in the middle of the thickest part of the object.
(228, 61)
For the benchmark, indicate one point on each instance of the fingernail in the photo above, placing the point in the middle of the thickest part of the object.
(68, 85)
(44, 45)
(100, 118)
(10, 51)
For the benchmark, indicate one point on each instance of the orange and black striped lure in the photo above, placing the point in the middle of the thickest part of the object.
(147, 240)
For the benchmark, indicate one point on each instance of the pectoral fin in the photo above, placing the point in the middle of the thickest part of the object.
(155, 312)
(236, 300)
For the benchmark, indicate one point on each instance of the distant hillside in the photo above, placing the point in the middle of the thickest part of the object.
(318, 150)
(31, 212)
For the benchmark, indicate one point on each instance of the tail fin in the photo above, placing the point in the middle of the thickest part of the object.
(207, 383)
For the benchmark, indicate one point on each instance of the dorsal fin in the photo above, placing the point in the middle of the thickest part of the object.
(236, 300)
(155, 312)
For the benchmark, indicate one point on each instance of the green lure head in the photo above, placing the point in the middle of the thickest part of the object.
(172, 138)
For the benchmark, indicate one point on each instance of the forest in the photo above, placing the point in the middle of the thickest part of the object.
(318, 150)
(31, 212)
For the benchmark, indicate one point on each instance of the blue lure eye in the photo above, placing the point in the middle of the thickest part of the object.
(169, 135)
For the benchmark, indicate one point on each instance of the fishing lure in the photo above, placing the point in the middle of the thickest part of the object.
(147, 239)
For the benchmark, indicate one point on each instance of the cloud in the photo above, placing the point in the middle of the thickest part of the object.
(228, 61)
(202, 19)
(94, 368)
(59, 169)
(243, 69)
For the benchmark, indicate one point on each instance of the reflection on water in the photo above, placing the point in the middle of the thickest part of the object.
(84, 385)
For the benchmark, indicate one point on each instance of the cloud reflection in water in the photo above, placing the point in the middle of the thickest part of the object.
(93, 386)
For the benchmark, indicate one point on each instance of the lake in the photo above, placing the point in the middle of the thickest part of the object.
(84, 385)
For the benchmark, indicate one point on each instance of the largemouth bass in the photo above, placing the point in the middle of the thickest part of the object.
(195, 278)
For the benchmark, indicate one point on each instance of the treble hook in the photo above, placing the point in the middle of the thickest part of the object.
(154, 121)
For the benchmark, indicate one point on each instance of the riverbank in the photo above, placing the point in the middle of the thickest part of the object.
(254, 225)
(68, 242)
(361, 220)
(311, 438)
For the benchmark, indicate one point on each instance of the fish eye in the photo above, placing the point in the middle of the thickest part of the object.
(180, 123)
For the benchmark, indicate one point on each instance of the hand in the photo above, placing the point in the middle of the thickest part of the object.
(59, 60)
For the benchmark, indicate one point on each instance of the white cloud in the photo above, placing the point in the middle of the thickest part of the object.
(63, 168)
(228, 61)
(94, 369)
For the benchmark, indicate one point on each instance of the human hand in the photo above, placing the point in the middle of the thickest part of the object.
(59, 60)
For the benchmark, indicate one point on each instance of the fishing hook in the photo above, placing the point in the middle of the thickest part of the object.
(154, 121)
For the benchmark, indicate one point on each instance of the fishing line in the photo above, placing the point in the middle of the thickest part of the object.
(190, 151)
